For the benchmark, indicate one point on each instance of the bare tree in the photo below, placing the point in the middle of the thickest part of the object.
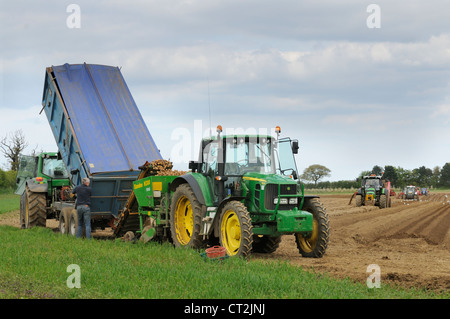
(11, 146)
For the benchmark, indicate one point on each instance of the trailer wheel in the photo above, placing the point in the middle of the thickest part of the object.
(73, 222)
(34, 212)
(64, 220)
(315, 245)
(185, 218)
(236, 230)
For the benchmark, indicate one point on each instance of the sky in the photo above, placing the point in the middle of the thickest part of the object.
(358, 85)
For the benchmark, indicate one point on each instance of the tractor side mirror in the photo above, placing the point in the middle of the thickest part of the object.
(295, 147)
(74, 171)
(194, 166)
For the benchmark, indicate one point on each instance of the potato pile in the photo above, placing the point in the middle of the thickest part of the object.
(164, 168)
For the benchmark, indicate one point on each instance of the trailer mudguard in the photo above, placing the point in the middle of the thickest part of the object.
(199, 185)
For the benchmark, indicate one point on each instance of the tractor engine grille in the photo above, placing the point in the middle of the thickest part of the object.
(271, 192)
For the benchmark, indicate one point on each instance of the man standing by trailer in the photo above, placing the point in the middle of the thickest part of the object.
(83, 206)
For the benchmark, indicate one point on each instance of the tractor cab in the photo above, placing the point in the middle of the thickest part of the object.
(228, 161)
(46, 168)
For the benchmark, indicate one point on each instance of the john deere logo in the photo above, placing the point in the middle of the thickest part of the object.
(288, 188)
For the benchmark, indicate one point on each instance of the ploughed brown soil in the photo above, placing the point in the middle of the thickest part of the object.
(409, 241)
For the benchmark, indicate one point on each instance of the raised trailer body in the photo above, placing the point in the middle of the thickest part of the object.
(99, 131)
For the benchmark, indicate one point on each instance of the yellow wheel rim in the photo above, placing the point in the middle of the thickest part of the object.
(27, 214)
(308, 244)
(184, 220)
(231, 232)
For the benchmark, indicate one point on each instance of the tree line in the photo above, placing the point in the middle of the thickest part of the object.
(437, 177)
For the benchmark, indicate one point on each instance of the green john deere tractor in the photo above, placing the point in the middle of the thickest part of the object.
(43, 182)
(373, 191)
(242, 194)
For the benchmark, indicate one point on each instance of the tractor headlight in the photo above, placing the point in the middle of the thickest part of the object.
(283, 201)
(293, 201)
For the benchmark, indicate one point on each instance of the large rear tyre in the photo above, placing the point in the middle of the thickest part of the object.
(315, 245)
(33, 212)
(358, 200)
(185, 218)
(236, 230)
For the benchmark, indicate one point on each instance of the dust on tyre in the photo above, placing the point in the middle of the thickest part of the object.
(185, 218)
(315, 245)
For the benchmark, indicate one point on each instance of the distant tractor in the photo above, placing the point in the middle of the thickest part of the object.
(410, 193)
(373, 191)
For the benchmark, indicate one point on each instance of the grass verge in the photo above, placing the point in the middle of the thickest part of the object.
(9, 203)
(34, 263)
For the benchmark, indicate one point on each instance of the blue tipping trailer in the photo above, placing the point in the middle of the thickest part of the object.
(99, 132)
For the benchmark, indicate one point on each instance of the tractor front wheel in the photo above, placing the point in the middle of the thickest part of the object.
(316, 244)
(185, 218)
(235, 229)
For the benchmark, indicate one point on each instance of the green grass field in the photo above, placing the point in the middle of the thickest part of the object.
(34, 263)
(9, 202)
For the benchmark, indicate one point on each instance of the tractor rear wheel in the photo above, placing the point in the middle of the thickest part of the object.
(185, 218)
(358, 200)
(33, 212)
(315, 245)
(235, 229)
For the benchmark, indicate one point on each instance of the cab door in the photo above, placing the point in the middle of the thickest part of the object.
(27, 170)
(210, 166)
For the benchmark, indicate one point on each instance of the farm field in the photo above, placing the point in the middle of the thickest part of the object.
(410, 241)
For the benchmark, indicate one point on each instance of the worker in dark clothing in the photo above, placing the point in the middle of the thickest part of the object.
(83, 206)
